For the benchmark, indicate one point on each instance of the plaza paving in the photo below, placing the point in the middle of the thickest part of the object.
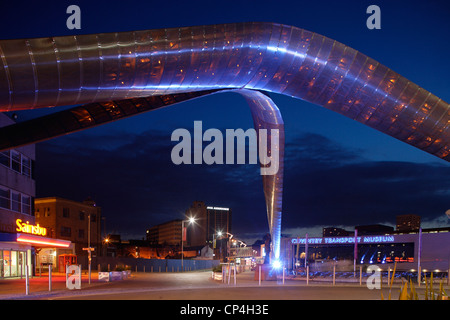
(190, 286)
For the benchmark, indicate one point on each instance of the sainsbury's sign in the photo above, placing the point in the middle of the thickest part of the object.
(26, 227)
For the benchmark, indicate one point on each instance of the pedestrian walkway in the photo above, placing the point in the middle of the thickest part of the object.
(15, 288)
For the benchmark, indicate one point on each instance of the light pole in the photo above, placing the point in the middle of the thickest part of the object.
(190, 220)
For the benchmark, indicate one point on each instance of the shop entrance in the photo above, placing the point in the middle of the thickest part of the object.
(12, 263)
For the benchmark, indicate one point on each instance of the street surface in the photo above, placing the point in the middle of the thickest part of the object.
(189, 286)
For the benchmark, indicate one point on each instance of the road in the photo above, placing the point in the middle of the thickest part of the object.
(200, 286)
(192, 286)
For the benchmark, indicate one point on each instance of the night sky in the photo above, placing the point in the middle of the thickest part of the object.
(338, 172)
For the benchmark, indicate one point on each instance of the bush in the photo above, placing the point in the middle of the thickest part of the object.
(217, 268)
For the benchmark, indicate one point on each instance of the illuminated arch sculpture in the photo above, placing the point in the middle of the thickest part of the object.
(121, 74)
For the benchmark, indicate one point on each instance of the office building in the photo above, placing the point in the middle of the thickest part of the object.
(77, 222)
(209, 220)
(407, 223)
(168, 233)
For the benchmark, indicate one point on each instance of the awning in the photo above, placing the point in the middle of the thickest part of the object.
(39, 241)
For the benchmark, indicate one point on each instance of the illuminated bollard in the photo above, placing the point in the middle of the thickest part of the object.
(50, 277)
(27, 281)
(307, 275)
(259, 280)
(334, 274)
(360, 275)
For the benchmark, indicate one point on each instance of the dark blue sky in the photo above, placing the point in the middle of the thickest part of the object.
(338, 172)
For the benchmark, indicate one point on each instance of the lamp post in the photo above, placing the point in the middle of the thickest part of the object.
(190, 220)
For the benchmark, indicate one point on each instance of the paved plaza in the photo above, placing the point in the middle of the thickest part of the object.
(197, 285)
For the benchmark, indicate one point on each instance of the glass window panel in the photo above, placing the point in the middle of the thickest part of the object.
(15, 201)
(26, 204)
(6, 263)
(4, 198)
(4, 158)
(15, 161)
(26, 166)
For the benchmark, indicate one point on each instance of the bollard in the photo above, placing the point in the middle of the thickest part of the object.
(334, 274)
(307, 275)
(360, 275)
(283, 274)
(259, 275)
(27, 281)
(419, 275)
(389, 276)
(50, 277)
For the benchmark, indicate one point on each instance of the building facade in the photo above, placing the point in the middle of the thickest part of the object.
(407, 223)
(17, 191)
(168, 233)
(77, 222)
(21, 236)
(427, 248)
(209, 220)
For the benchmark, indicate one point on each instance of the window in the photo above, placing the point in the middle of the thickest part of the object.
(15, 201)
(26, 166)
(81, 215)
(81, 233)
(26, 204)
(4, 198)
(93, 217)
(16, 162)
(66, 232)
(4, 158)
(66, 212)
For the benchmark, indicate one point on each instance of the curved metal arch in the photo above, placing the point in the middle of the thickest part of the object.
(255, 56)
(272, 57)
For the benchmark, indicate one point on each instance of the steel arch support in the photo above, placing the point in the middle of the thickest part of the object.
(266, 115)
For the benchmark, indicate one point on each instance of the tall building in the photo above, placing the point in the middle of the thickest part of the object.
(209, 220)
(335, 232)
(218, 220)
(373, 229)
(407, 222)
(78, 222)
(168, 233)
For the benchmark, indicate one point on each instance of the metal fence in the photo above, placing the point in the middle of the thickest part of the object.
(148, 265)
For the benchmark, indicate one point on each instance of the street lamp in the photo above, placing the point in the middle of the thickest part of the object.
(190, 220)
